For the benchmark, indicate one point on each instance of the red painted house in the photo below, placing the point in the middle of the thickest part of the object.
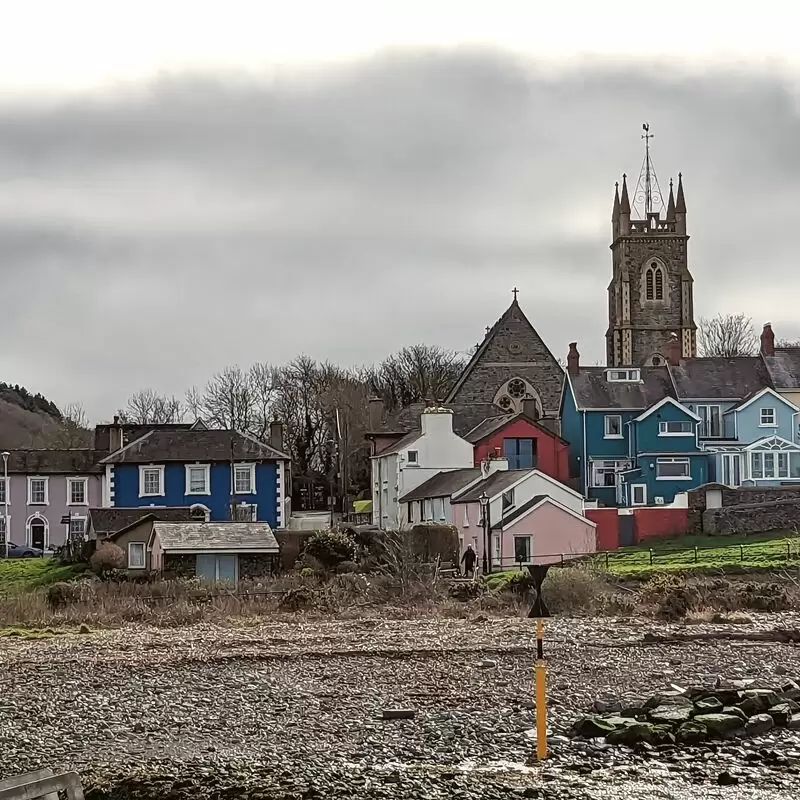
(524, 442)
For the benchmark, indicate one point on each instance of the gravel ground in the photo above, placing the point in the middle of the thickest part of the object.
(294, 710)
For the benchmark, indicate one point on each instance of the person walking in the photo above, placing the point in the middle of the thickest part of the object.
(468, 560)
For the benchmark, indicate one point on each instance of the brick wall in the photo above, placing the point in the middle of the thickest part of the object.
(772, 515)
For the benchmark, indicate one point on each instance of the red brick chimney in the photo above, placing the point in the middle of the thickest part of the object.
(674, 350)
(768, 340)
(573, 360)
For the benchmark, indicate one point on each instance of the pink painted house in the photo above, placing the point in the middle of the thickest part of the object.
(532, 517)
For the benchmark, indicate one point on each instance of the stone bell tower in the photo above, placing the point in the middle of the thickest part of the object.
(650, 296)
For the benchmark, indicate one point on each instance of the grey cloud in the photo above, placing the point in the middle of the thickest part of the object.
(149, 237)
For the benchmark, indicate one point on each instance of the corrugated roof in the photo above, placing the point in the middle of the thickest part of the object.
(443, 484)
(218, 537)
(592, 390)
(194, 445)
(723, 378)
(496, 483)
(784, 367)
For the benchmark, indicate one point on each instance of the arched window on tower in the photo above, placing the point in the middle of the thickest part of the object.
(654, 281)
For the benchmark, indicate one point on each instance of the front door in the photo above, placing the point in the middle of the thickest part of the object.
(731, 469)
(627, 529)
(211, 567)
(37, 534)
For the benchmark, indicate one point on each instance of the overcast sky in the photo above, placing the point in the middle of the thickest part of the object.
(182, 189)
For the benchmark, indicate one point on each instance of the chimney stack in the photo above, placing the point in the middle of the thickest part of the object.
(768, 340)
(530, 409)
(115, 436)
(276, 435)
(573, 360)
(674, 350)
(375, 413)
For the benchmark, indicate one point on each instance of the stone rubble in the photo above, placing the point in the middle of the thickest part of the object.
(294, 710)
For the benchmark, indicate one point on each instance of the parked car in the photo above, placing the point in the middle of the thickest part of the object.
(20, 551)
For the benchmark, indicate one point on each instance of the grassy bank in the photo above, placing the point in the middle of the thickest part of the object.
(24, 574)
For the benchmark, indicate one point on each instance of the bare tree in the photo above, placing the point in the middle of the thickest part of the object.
(790, 343)
(420, 372)
(727, 336)
(148, 407)
(71, 432)
(238, 399)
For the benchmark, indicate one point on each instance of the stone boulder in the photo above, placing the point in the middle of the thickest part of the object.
(721, 726)
(758, 725)
(691, 733)
(670, 715)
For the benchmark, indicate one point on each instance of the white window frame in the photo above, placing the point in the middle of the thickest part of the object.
(237, 468)
(775, 474)
(206, 478)
(507, 500)
(412, 462)
(643, 487)
(609, 464)
(252, 508)
(623, 375)
(6, 482)
(85, 482)
(143, 469)
(774, 415)
(674, 460)
(707, 407)
(663, 428)
(74, 518)
(46, 481)
(137, 545)
(606, 433)
(497, 550)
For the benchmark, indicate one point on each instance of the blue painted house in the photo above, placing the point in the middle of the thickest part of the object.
(222, 474)
(623, 434)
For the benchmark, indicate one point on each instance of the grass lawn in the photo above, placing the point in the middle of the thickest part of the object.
(22, 574)
(757, 551)
(765, 550)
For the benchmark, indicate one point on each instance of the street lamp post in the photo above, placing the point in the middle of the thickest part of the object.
(6, 454)
(484, 501)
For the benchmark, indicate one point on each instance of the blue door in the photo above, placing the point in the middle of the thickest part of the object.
(226, 569)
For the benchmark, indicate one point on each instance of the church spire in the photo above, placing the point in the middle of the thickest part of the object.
(680, 207)
(615, 212)
(671, 204)
(625, 203)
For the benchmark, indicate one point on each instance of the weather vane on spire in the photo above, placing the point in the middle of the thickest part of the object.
(648, 192)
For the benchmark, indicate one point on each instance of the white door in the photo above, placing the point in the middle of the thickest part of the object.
(638, 494)
(731, 471)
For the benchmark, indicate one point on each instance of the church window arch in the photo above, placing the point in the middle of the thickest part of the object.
(654, 281)
(512, 395)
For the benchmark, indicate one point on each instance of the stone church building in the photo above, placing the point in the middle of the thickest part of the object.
(650, 296)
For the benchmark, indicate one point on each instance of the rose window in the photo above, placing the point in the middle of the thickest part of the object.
(517, 388)
(505, 401)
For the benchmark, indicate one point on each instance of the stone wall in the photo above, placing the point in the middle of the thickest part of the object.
(700, 520)
(180, 565)
(772, 515)
(256, 565)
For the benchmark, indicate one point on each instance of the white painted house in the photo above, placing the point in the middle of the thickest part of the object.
(412, 460)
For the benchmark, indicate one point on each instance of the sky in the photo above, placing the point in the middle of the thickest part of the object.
(185, 186)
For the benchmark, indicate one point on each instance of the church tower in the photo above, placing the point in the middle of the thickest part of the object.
(650, 296)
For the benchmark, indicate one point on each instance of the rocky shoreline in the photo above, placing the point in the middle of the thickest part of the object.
(294, 710)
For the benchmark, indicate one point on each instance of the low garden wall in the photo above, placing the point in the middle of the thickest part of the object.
(773, 515)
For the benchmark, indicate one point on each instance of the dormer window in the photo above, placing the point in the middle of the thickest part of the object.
(412, 457)
(619, 375)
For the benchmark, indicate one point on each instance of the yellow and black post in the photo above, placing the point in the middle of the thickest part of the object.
(539, 612)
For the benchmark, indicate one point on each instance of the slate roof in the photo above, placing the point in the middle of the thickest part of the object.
(720, 378)
(443, 484)
(592, 390)
(78, 461)
(401, 443)
(784, 367)
(216, 537)
(111, 521)
(496, 483)
(518, 512)
(193, 445)
(494, 424)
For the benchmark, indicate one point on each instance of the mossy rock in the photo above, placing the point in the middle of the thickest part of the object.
(691, 733)
(721, 726)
